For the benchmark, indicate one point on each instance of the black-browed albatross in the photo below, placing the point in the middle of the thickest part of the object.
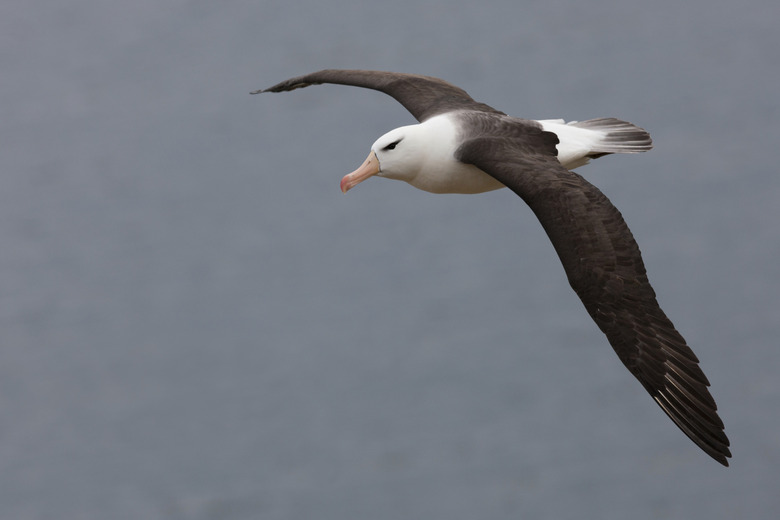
(462, 146)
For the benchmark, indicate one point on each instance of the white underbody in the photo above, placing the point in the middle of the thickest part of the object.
(425, 154)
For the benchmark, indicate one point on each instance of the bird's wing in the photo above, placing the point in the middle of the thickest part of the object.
(605, 269)
(423, 96)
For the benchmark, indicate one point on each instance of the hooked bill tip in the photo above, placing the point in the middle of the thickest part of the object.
(344, 184)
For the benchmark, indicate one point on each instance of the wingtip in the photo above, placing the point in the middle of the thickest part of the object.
(286, 86)
(701, 425)
(722, 456)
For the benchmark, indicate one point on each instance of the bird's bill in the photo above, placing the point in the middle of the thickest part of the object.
(369, 168)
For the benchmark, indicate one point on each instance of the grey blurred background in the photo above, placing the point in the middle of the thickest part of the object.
(196, 324)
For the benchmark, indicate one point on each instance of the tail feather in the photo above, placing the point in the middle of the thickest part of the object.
(581, 141)
(618, 136)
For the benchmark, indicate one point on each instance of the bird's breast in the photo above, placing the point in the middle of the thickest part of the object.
(452, 176)
(440, 172)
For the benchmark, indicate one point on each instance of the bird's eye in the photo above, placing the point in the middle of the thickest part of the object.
(392, 145)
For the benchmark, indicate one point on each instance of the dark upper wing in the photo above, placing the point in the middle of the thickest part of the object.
(423, 96)
(605, 269)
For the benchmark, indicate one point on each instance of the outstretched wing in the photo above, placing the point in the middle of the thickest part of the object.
(605, 269)
(423, 96)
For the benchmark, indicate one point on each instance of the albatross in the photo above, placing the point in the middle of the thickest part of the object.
(462, 146)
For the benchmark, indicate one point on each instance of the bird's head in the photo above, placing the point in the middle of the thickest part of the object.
(396, 155)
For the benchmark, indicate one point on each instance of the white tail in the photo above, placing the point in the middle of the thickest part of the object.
(581, 141)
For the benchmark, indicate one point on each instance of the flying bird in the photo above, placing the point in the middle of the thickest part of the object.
(462, 146)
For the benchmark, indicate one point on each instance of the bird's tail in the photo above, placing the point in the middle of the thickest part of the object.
(581, 141)
(617, 136)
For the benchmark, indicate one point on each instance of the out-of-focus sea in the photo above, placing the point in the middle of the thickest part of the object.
(196, 324)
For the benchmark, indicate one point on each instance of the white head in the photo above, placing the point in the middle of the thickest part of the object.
(424, 156)
(399, 154)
